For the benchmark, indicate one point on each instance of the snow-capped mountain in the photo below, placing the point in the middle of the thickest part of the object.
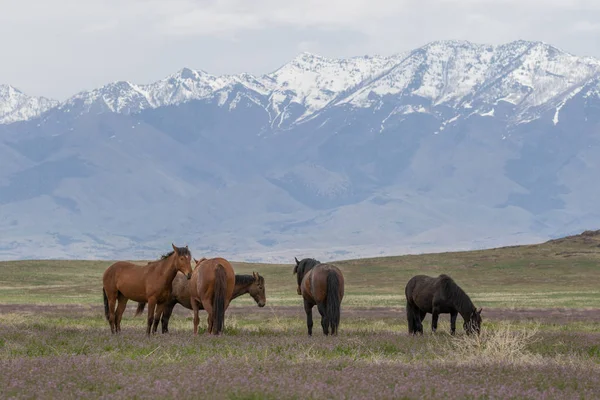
(527, 76)
(17, 106)
(452, 145)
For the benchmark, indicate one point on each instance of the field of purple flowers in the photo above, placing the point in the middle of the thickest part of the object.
(540, 337)
(68, 352)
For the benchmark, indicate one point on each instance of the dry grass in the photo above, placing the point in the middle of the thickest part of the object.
(504, 343)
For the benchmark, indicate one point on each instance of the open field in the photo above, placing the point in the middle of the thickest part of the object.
(541, 334)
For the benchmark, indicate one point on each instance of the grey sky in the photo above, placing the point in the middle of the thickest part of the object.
(56, 48)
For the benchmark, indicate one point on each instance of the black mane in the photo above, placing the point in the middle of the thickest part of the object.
(245, 279)
(182, 251)
(304, 266)
(456, 295)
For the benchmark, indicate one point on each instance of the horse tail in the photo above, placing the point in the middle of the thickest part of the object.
(413, 314)
(332, 310)
(413, 318)
(140, 308)
(106, 310)
(220, 291)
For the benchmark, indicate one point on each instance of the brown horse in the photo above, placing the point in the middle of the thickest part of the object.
(212, 285)
(252, 284)
(149, 283)
(321, 285)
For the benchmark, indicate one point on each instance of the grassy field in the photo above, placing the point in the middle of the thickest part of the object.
(541, 335)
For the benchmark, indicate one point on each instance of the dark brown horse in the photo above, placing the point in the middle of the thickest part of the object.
(321, 285)
(212, 285)
(149, 283)
(441, 295)
(252, 284)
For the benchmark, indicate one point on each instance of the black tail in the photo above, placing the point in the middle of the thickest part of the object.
(414, 318)
(140, 309)
(220, 291)
(106, 312)
(332, 310)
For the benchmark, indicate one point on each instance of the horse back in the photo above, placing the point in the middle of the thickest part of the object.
(420, 291)
(205, 274)
(127, 278)
(315, 282)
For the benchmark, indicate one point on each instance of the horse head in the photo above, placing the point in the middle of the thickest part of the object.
(183, 260)
(473, 324)
(257, 290)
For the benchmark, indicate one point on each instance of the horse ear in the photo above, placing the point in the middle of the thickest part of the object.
(196, 261)
(174, 248)
(479, 312)
(297, 262)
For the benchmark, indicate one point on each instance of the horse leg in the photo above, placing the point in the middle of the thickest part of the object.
(112, 302)
(196, 317)
(157, 314)
(324, 321)
(309, 320)
(164, 321)
(210, 319)
(120, 310)
(151, 308)
(434, 319)
(421, 319)
(453, 316)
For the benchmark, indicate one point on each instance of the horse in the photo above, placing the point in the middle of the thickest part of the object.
(321, 285)
(441, 295)
(252, 284)
(150, 283)
(212, 285)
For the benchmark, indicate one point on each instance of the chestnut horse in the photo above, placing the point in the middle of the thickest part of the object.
(149, 283)
(253, 284)
(212, 285)
(321, 285)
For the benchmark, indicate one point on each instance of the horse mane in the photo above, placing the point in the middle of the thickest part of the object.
(184, 251)
(456, 295)
(304, 266)
(243, 279)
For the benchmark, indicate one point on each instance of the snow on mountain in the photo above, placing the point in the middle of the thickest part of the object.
(530, 76)
(17, 106)
(524, 74)
(313, 81)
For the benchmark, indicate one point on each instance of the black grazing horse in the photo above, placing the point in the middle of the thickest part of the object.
(441, 295)
(321, 285)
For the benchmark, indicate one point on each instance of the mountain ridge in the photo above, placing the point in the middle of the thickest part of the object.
(314, 93)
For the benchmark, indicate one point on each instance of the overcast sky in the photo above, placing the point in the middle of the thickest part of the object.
(56, 48)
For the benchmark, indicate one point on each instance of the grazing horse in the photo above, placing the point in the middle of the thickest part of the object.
(441, 295)
(150, 283)
(252, 284)
(212, 285)
(321, 285)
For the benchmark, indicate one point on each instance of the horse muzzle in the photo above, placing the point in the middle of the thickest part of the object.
(261, 304)
(189, 275)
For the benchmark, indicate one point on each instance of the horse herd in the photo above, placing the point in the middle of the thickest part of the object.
(212, 284)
